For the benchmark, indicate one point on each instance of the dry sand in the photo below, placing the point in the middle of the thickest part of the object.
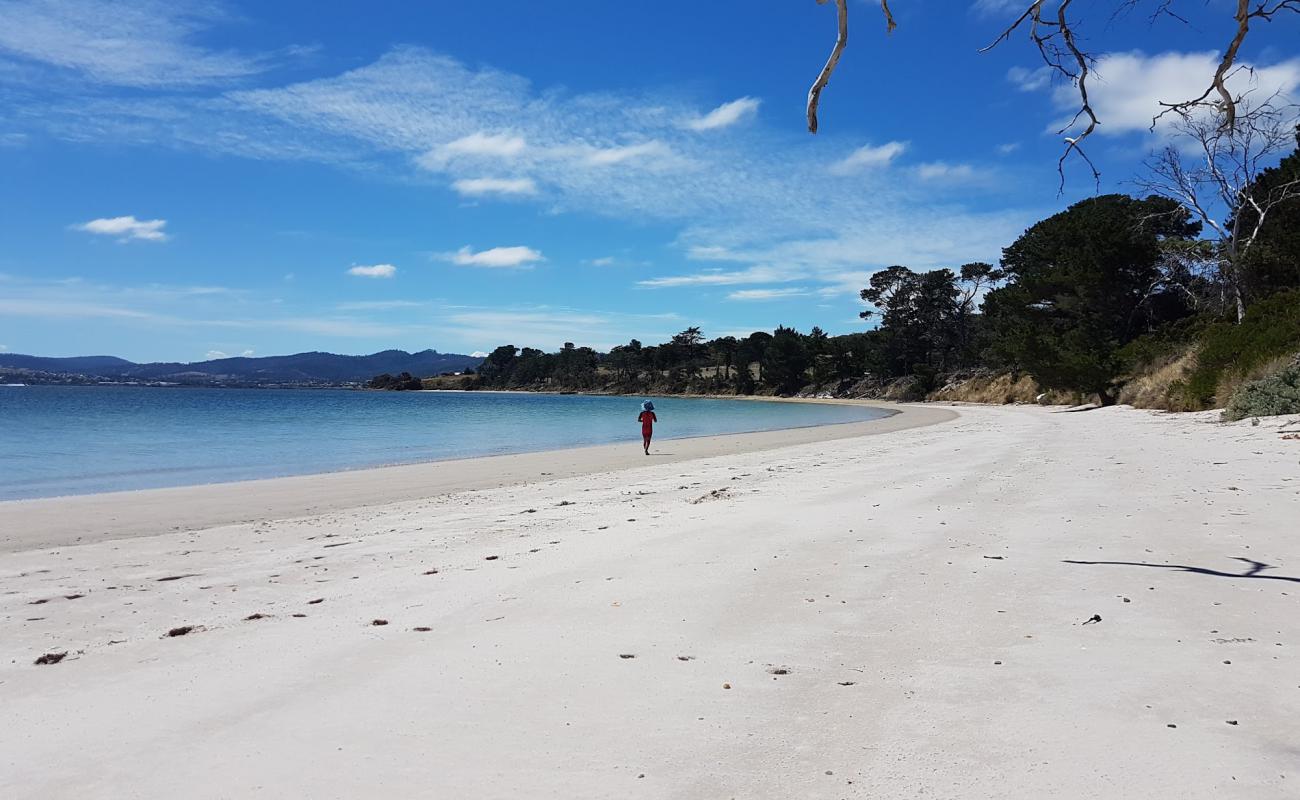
(898, 615)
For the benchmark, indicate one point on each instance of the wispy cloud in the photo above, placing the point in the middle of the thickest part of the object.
(213, 355)
(618, 155)
(144, 44)
(995, 7)
(759, 274)
(1030, 80)
(943, 171)
(869, 156)
(548, 328)
(725, 115)
(374, 271)
(477, 145)
(497, 257)
(766, 294)
(478, 187)
(127, 228)
(605, 156)
(380, 305)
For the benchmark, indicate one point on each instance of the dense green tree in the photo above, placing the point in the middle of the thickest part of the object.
(920, 312)
(1079, 284)
(786, 361)
(1273, 264)
(723, 353)
(499, 364)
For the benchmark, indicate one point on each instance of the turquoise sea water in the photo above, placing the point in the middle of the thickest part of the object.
(57, 440)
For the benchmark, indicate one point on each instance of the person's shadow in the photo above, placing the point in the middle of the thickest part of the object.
(1255, 571)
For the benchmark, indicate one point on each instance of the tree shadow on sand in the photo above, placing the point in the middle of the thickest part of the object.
(1255, 571)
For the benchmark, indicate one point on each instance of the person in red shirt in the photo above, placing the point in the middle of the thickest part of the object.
(647, 419)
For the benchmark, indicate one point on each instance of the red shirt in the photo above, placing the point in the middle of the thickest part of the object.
(647, 420)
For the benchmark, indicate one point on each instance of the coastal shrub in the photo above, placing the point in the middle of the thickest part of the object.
(1267, 397)
(1230, 355)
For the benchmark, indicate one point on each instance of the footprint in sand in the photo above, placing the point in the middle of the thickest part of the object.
(422, 629)
(686, 658)
(378, 622)
(51, 658)
(627, 655)
(182, 631)
(258, 615)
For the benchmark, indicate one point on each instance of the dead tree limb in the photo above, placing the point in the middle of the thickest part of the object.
(841, 39)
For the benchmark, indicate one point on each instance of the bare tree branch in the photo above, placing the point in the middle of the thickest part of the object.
(841, 39)
(1059, 49)
(1226, 104)
(1222, 189)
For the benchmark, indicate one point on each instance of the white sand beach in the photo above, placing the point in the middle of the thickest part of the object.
(971, 602)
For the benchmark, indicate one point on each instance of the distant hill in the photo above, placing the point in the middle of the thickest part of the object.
(301, 368)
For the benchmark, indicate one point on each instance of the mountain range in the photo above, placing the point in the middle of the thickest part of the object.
(298, 369)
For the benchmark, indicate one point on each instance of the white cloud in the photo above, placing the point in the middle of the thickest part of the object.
(380, 305)
(756, 274)
(153, 309)
(478, 187)
(604, 261)
(478, 354)
(995, 7)
(869, 156)
(548, 328)
(213, 355)
(766, 294)
(1030, 80)
(141, 44)
(496, 146)
(1008, 148)
(943, 171)
(725, 115)
(617, 155)
(742, 198)
(497, 257)
(127, 228)
(4, 348)
(374, 271)
(1127, 88)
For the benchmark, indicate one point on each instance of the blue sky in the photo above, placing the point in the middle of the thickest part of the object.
(181, 179)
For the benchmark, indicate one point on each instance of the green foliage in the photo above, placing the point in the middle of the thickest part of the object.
(1080, 285)
(1276, 394)
(1163, 343)
(395, 383)
(1273, 264)
(786, 361)
(1270, 330)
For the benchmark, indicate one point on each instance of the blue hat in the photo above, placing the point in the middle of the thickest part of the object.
(648, 406)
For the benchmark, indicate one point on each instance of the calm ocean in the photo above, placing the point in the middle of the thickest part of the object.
(57, 440)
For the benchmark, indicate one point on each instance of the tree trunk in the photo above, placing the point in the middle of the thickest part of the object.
(1106, 396)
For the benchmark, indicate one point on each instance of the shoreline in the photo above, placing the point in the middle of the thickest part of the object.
(60, 521)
